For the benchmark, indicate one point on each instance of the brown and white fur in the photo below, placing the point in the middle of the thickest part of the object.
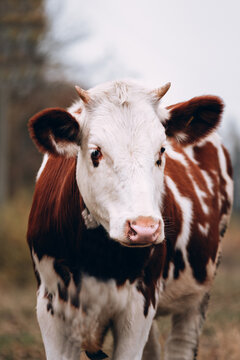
(117, 165)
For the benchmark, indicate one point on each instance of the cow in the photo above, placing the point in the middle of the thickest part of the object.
(131, 203)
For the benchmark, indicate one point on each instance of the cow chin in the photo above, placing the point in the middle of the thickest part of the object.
(129, 244)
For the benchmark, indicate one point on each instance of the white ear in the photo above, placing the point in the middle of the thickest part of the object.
(65, 149)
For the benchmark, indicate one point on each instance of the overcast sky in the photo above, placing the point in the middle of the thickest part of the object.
(193, 44)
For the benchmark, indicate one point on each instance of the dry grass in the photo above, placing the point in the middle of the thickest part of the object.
(19, 333)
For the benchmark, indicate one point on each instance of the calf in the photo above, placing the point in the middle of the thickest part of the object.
(130, 204)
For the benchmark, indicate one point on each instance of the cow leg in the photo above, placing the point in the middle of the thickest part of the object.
(53, 330)
(130, 330)
(186, 328)
(152, 350)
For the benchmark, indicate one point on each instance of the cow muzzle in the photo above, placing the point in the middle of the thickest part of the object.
(143, 231)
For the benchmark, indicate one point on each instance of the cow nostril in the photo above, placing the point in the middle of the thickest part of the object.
(143, 230)
(132, 231)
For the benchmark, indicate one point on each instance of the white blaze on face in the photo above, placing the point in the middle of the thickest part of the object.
(127, 183)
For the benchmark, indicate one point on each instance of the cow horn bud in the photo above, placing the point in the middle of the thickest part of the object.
(159, 93)
(83, 94)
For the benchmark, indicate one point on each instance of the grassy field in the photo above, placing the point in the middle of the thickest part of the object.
(19, 334)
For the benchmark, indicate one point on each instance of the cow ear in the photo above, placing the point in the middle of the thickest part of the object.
(55, 131)
(192, 120)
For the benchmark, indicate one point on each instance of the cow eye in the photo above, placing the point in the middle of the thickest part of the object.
(159, 161)
(96, 156)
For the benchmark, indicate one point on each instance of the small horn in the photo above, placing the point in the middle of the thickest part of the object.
(162, 90)
(83, 94)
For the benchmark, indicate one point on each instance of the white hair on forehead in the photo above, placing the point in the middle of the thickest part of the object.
(122, 94)
(119, 92)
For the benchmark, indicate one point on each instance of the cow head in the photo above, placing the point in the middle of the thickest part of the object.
(120, 133)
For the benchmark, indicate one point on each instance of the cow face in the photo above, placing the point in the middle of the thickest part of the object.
(120, 135)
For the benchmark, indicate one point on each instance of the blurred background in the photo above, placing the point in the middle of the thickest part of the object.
(47, 47)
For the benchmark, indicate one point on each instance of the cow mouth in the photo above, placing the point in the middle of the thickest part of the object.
(137, 245)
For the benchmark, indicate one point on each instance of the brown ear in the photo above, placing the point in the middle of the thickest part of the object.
(55, 131)
(192, 120)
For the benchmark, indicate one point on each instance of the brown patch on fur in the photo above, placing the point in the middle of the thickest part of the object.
(151, 274)
(207, 158)
(50, 308)
(200, 248)
(172, 216)
(179, 264)
(75, 300)
(49, 296)
(62, 270)
(62, 292)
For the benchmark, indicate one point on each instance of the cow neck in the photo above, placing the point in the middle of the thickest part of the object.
(110, 259)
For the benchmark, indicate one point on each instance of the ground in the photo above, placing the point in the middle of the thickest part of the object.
(19, 333)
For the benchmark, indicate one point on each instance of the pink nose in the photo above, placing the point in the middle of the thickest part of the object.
(143, 230)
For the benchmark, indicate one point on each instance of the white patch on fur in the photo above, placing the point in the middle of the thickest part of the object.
(181, 137)
(182, 293)
(46, 271)
(163, 114)
(44, 162)
(208, 180)
(186, 208)
(122, 92)
(204, 229)
(55, 333)
(223, 167)
(213, 137)
(75, 107)
(216, 142)
(200, 194)
(175, 155)
(66, 149)
(68, 329)
(189, 152)
(89, 220)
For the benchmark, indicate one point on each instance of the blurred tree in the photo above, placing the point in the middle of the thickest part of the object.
(25, 88)
(22, 24)
(236, 170)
